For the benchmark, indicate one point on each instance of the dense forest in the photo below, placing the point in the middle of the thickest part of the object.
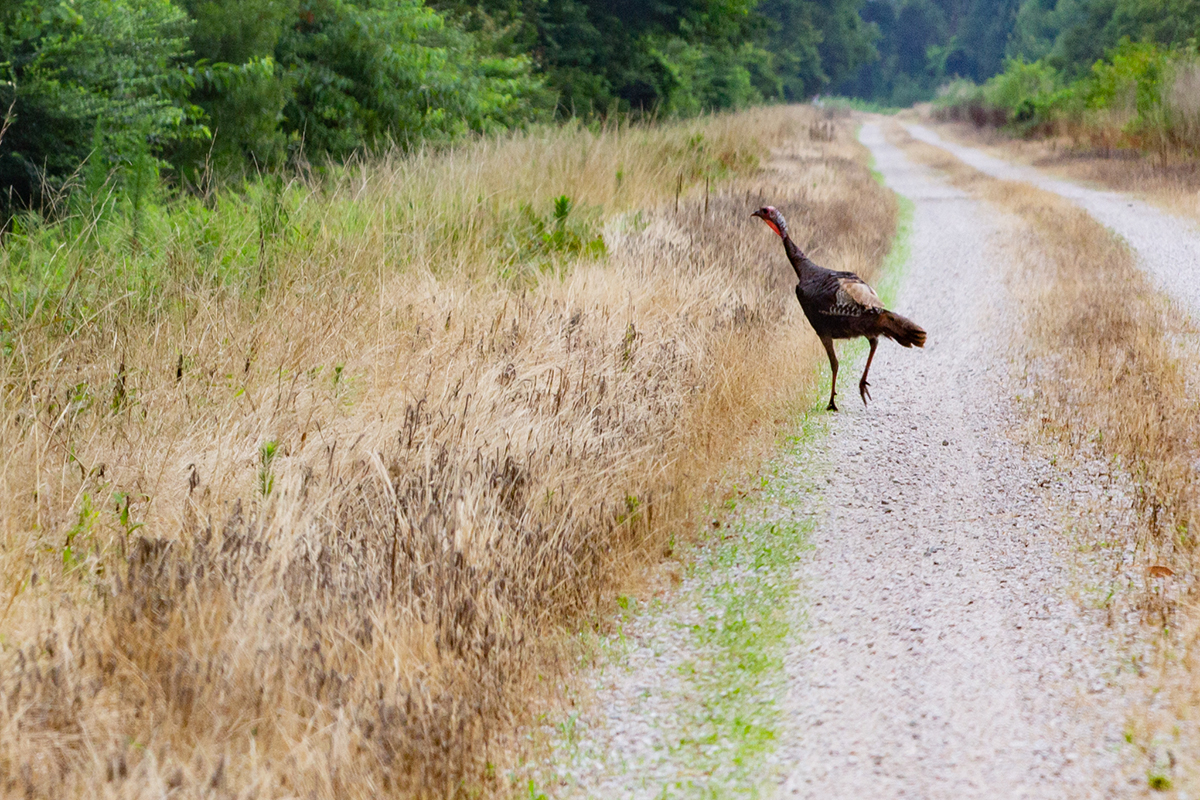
(97, 91)
(95, 88)
(923, 43)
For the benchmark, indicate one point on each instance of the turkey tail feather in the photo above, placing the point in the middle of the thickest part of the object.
(903, 330)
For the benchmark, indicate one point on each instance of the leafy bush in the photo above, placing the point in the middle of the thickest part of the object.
(1028, 93)
(1132, 80)
(1143, 95)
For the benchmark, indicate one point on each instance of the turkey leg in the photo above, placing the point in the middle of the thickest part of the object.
(833, 365)
(862, 385)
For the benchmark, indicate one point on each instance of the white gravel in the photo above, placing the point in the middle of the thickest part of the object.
(1167, 247)
(948, 642)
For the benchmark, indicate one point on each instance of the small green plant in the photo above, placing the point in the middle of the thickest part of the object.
(266, 476)
(80, 530)
(562, 234)
(567, 729)
(1158, 780)
(124, 518)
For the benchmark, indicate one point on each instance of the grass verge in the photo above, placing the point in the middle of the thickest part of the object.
(712, 654)
(745, 594)
(699, 711)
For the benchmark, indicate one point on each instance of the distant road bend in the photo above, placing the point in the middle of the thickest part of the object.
(1167, 247)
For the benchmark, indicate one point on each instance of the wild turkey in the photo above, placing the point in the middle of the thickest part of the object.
(839, 305)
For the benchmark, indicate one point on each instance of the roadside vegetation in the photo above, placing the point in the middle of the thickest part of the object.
(1109, 364)
(1143, 97)
(1103, 80)
(306, 488)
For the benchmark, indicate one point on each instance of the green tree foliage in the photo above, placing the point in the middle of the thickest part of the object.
(233, 84)
(814, 45)
(366, 73)
(235, 80)
(671, 57)
(93, 81)
(1072, 35)
(678, 56)
(923, 43)
(335, 77)
(225, 87)
(979, 45)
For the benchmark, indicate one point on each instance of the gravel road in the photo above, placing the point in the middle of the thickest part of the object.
(1167, 247)
(947, 640)
(946, 656)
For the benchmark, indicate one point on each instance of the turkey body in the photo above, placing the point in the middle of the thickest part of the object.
(840, 305)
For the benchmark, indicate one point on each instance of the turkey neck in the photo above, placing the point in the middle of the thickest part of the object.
(800, 263)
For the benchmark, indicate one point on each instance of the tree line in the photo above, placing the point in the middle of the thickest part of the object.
(1033, 50)
(199, 88)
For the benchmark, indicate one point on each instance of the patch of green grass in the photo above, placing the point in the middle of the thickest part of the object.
(895, 267)
(1158, 781)
(746, 595)
(858, 104)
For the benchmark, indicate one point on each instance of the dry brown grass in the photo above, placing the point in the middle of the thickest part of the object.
(1111, 365)
(326, 528)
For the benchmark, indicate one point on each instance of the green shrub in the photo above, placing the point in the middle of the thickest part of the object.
(1133, 78)
(1027, 92)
